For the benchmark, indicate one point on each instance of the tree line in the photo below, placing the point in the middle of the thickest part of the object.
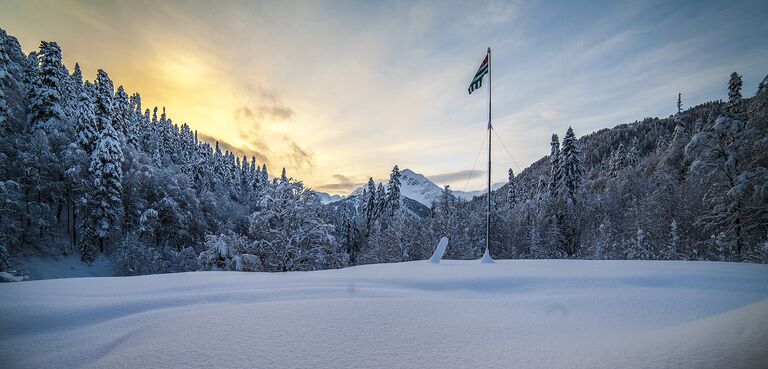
(86, 169)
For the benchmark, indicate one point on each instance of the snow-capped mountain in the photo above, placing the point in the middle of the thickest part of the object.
(414, 186)
(418, 187)
(326, 198)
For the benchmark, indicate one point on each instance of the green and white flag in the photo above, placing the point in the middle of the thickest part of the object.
(477, 81)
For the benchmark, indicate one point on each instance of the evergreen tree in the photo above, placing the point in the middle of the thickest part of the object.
(679, 102)
(734, 95)
(134, 121)
(602, 243)
(86, 129)
(106, 170)
(45, 101)
(535, 249)
(617, 161)
(121, 113)
(511, 190)
(570, 165)
(264, 174)
(671, 251)
(633, 155)
(381, 198)
(393, 192)
(103, 108)
(370, 204)
(77, 76)
(639, 249)
(554, 164)
(719, 156)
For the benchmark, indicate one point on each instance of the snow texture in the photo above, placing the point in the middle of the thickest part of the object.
(439, 251)
(459, 314)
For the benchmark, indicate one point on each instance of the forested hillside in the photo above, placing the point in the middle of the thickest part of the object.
(692, 186)
(86, 169)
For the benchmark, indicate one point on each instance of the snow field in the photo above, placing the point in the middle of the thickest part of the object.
(527, 314)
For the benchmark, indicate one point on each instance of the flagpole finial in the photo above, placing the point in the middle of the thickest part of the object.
(489, 49)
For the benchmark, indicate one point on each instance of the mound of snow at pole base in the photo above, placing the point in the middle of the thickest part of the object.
(457, 314)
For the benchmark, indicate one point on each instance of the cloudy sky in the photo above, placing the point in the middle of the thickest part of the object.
(340, 91)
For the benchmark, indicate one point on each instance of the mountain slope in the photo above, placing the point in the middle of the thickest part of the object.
(419, 188)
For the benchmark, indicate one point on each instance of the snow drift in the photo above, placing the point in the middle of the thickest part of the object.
(526, 314)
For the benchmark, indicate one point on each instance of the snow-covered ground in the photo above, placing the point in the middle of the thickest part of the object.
(511, 314)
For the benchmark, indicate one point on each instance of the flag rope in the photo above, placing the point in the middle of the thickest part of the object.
(482, 145)
(505, 149)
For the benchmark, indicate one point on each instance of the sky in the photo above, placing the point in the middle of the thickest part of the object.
(340, 91)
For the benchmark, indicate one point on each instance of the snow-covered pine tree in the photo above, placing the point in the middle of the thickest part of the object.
(370, 204)
(617, 161)
(679, 102)
(719, 155)
(121, 113)
(542, 190)
(106, 170)
(633, 155)
(392, 202)
(734, 95)
(134, 121)
(103, 108)
(511, 190)
(264, 174)
(445, 211)
(571, 168)
(381, 197)
(77, 76)
(535, 249)
(639, 249)
(86, 127)
(602, 243)
(671, 251)
(554, 165)
(45, 100)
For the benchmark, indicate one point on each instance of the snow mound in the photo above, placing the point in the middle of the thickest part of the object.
(8, 277)
(439, 251)
(486, 259)
(459, 314)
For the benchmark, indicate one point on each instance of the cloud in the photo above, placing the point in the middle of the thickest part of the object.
(278, 148)
(269, 112)
(243, 112)
(238, 151)
(343, 184)
(461, 175)
(275, 112)
(298, 157)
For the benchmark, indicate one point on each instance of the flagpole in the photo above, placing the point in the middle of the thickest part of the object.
(488, 210)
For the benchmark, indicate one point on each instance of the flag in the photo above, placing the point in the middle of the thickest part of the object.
(477, 81)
